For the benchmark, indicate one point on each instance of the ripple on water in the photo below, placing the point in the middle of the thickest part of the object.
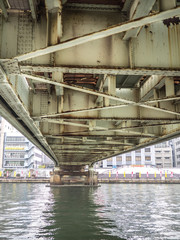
(131, 212)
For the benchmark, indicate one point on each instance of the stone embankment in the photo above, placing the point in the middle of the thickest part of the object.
(108, 181)
(147, 181)
(24, 180)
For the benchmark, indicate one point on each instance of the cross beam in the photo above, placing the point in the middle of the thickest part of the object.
(96, 127)
(101, 70)
(93, 92)
(76, 88)
(122, 27)
(142, 9)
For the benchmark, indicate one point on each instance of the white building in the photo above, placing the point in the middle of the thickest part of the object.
(4, 127)
(159, 155)
(176, 144)
(16, 151)
(163, 155)
(1, 141)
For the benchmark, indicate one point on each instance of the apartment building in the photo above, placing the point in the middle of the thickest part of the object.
(159, 155)
(163, 155)
(176, 144)
(18, 151)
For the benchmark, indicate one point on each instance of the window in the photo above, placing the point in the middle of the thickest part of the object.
(14, 155)
(109, 162)
(14, 163)
(15, 139)
(40, 155)
(128, 158)
(148, 158)
(167, 165)
(119, 163)
(15, 146)
(138, 158)
(159, 164)
(158, 151)
(147, 149)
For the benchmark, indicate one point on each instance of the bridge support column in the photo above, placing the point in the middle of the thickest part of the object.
(92, 178)
(61, 176)
(56, 177)
(73, 175)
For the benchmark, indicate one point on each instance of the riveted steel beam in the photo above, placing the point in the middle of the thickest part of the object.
(94, 146)
(81, 131)
(101, 34)
(141, 9)
(165, 99)
(101, 70)
(55, 121)
(32, 5)
(90, 141)
(74, 163)
(79, 111)
(93, 92)
(78, 147)
(74, 87)
(114, 107)
(83, 151)
(4, 9)
(18, 115)
(151, 125)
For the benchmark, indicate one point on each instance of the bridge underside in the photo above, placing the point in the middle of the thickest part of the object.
(87, 80)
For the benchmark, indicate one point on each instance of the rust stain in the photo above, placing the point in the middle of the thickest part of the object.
(174, 45)
(173, 21)
(80, 79)
(178, 37)
(170, 50)
(109, 48)
(106, 2)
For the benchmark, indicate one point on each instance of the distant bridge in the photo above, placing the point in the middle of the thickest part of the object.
(86, 80)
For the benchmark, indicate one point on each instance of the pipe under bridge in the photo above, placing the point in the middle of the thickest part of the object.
(88, 80)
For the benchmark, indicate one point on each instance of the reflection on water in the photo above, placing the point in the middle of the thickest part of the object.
(132, 211)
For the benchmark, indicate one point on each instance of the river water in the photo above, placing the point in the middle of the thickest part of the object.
(117, 211)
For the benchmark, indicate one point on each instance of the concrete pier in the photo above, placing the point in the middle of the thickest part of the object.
(92, 177)
(72, 176)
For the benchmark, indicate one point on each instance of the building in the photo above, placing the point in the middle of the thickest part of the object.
(144, 156)
(159, 155)
(1, 143)
(16, 151)
(40, 160)
(163, 155)
(176, 144)
(19, 152)
(4, 127)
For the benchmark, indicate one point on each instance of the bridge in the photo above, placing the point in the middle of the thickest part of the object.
(87, 80)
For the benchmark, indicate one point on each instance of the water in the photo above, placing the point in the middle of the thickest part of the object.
(124, 211)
